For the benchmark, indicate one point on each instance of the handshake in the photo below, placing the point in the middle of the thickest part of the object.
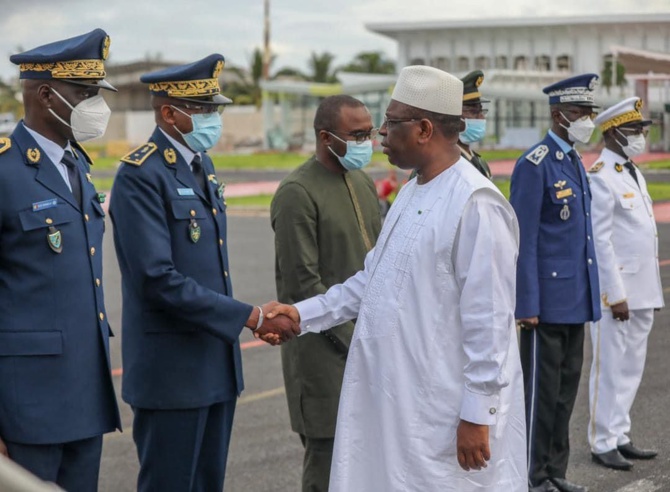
(274, 323)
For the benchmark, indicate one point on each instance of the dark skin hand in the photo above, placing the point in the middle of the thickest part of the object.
(472, 445)
(275, 329)
(620, 311)
(528, 323)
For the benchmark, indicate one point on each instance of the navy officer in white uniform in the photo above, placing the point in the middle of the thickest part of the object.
(630, 283)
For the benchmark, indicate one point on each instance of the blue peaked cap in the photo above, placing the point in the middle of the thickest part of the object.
(577, 90)
(197, 81)
(79, 60)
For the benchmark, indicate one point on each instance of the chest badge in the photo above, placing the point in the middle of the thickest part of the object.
(565, 212)
(170, 156)
(618, 167)
(89, 178)
(194, 231)
(220, 189)
(55, 240)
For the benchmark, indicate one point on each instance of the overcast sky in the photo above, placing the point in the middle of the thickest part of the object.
(187, 30)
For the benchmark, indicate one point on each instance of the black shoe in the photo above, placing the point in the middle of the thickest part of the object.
(632, 453)
(545, 486)
(612, 459)
(564, 486)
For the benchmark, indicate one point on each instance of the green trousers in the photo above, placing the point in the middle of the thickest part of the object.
(316, 464)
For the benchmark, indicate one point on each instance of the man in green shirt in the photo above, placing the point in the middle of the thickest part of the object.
(326, 218)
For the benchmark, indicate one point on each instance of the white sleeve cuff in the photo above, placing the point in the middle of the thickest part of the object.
(309, 310)
(480, 409)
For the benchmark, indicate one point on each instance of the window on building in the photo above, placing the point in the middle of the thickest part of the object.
(482, 62)
(520, 63)
(501, 61)
(417, 61)
(442, 63)
(543, 63)
(564, 63)
(463, 64)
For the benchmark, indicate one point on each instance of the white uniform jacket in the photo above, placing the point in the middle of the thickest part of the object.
(625, 235)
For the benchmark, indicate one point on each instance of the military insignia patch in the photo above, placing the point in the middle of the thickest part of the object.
(560, 184)
(564, 193)
(170, 156)
(33, 155)
(618, 167)
(565, 212)
(538, 154)
(101, 197)
(638, 105)
(479, 81)
(217, 69)
(5, 144)
(212, 178)
(140, 154)
(89, 178)
(55, 240)
(194, 231)
(629, 195)
(220, 189)
(592, 84)
(105, 48)
(559, 155)
(596, 167)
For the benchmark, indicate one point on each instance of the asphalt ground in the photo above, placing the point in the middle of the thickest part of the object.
(265, 456)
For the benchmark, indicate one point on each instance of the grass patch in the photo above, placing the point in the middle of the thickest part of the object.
(255, 201)
(103, 184)
(500, 155)
(503, 186)
(656, 165)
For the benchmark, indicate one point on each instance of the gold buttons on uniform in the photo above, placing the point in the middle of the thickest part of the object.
(49, 221)
(97, 282)
(102, 316)
(220, 242)
(92, 251)
(214, 211)
(192, 213)
(86, 217)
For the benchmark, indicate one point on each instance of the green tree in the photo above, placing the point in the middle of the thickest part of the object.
(247, 89)
(613, 78)
(321, 67)
(370, 62)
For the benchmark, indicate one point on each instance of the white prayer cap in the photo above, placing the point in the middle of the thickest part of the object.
(430, 89)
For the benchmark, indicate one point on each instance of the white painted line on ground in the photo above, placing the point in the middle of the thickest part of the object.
(643, 485)
(261, 396)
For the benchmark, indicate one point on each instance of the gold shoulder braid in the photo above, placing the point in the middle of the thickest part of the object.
(5, 144)
(140, 154)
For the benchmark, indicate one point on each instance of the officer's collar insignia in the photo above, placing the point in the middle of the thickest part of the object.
(89, 178)
(170, 155)
(559, 155)
(5, 144)
(33, 155)
(596, 167)
(194, 231)
(618, 167)
(560, 184)
(55, 239)
(140, 154)
(212, 178)
(538, 154)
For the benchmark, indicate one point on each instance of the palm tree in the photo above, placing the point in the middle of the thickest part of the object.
(370, 62)
(321, 67)
(247, 90)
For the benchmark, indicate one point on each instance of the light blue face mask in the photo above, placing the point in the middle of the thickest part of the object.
(358, 155)
(475, 130)
(207, 129)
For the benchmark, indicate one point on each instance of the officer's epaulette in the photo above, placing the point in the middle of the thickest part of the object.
(5, 144)
(596, 167)
(81, 149)
(537, 154)
(140, 154)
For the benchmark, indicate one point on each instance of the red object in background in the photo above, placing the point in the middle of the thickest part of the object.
(387, 185)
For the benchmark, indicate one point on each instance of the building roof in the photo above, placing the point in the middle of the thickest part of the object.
(642, 61)
(392, 28)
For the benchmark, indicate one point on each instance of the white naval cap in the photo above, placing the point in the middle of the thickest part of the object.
(625, 112)
(430, 89)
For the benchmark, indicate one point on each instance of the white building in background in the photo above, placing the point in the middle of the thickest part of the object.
(521, 56)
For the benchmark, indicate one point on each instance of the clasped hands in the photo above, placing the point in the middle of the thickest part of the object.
(281, 322)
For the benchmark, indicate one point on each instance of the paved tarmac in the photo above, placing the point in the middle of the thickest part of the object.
(265, 456)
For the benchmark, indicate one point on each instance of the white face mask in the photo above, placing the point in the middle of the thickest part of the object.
(89, 118)
(579, 130)
(635, 146)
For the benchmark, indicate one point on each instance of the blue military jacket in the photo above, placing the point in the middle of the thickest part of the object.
(557, 274)
(180, 322)
(55, 378)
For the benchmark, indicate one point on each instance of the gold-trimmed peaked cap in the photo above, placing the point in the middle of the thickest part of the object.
(196, 82)
(78, 60)
(471, 83)
(626, 112)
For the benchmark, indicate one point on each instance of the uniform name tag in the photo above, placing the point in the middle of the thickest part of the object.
(44, 205)
(629, 195)
(185, 191)
(564, 193)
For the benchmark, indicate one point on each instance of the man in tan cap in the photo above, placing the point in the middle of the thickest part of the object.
(432, 397)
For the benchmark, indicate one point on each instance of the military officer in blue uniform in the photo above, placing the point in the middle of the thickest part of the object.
(56, 393)
(182, 367)
(557, 277)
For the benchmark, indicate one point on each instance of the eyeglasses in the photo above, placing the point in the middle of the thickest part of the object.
(203, 108)
(389, 123)
(475, 111)
(634, 131)
(361, 137)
